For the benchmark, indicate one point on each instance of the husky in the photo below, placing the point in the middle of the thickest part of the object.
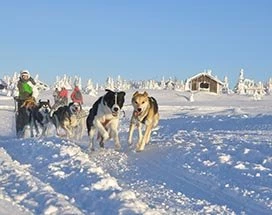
(145, 112)
(104, 118)
(70, 118)
(41, 114)
(37, 113)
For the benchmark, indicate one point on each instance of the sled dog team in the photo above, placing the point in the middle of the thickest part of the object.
(102, 120)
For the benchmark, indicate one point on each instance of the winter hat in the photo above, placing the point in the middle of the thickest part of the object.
(24, 72)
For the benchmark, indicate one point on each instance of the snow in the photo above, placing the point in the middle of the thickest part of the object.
(209, 156)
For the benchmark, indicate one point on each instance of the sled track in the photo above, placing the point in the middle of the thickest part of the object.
(188, 183)
(62, 165)
(194, 186)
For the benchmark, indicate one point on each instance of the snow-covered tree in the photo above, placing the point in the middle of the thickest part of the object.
(77, 82)
(162, 84)
(65, 81)
(240, 86)
(109, 83)
(170, 85)
(179, 85)
(248, 87)
(90, 89)
(269, 86)
(225, 88)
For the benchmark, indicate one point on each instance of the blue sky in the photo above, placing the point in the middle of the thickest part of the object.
(143, 39)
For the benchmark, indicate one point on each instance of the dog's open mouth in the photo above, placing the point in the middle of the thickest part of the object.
(137, 113)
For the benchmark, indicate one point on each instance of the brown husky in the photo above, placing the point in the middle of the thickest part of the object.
(145, 112)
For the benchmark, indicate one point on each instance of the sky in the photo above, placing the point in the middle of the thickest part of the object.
(137, 40)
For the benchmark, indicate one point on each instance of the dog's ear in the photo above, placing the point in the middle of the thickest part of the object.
(108, 90)
(40, 101)
(48, 101)
(145, 93)
(122, 93)
(135, 94)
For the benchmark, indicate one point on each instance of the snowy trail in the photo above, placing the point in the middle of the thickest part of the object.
(204, 148)
(155, 165)
(71, 180)
(197, 186)
(58, 166)
(201, 160)
(159, 179)
(33, 194)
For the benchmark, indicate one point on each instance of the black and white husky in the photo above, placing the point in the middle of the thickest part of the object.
(40, 113)
(104, 118)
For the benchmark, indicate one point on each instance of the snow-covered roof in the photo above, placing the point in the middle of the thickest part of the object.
(208, 74)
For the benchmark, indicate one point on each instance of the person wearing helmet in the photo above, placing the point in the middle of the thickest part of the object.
(27, 91)
(26, 86)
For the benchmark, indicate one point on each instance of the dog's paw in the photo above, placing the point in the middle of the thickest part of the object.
(101, 144)
(105, 136)
(139, 149)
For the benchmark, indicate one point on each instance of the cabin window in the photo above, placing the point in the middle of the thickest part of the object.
(204, 85)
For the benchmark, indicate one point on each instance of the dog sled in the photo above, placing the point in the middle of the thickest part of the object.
(21, 117)
(30, 116)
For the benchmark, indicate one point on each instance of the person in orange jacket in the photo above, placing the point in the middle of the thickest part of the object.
(76, 95)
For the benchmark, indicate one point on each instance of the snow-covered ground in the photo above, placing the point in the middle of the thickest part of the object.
(210, 156)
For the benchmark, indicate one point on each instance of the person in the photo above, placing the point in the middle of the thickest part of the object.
(76, 95)
(26, 87)
(63, 96)
(60, 99)
(56, 95)
(27, 90)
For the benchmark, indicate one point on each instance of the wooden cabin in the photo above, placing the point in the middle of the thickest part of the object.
(204, 82)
